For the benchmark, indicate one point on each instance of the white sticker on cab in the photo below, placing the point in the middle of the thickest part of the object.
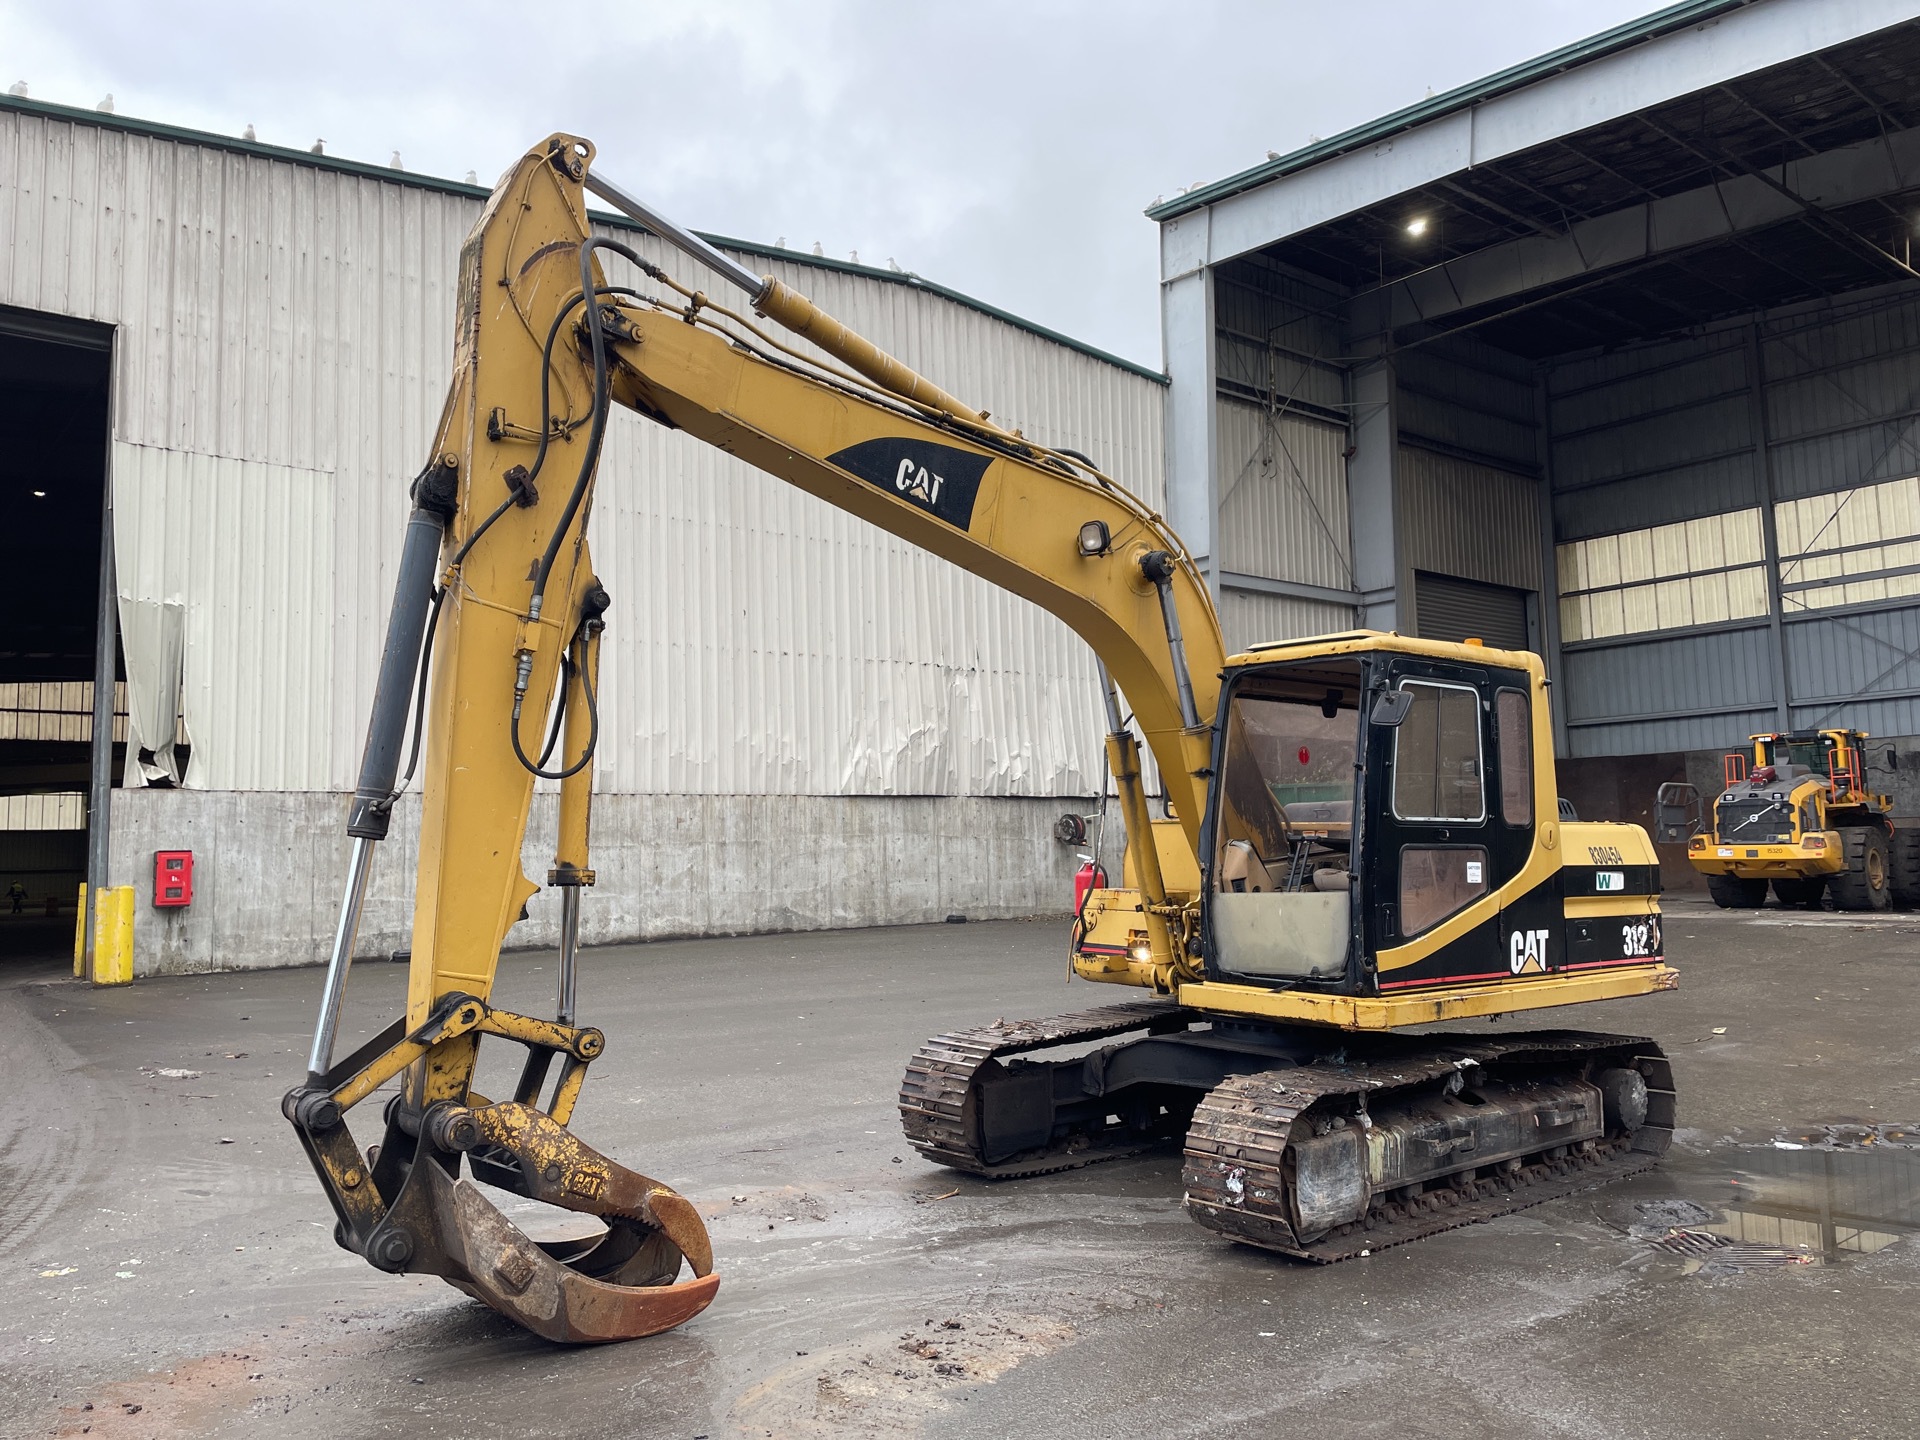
(1609, 880)
(1473, 872)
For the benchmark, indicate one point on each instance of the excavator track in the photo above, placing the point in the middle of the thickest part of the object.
(1286, 1153)
(1240, 1161)
(940, 1095)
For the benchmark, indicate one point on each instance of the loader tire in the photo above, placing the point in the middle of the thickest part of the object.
(1730, 892)
(1867, 882)
(1906, 868)
(1804, 892)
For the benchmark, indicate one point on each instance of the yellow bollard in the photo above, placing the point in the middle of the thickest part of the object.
(113, 936)
(80, 934)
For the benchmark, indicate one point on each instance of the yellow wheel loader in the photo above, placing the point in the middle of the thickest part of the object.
(1795, 814)
(1358, 836)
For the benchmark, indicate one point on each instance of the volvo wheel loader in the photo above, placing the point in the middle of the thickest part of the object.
(1796, 813)
(1358, 836)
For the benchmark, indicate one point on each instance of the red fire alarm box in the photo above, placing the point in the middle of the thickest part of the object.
(172, 878)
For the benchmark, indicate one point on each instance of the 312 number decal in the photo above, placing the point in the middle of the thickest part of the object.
(1640, 942)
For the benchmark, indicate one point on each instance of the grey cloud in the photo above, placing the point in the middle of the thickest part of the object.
(1004, 149)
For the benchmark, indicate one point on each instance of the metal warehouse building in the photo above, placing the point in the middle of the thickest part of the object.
(1612, 355)
(810, 724)
(1615, 355)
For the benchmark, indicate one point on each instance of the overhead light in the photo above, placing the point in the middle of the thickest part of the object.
(1417, 225)
(1094, 538)
(39, 494)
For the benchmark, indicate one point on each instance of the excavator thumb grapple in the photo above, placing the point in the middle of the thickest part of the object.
(406, 1208)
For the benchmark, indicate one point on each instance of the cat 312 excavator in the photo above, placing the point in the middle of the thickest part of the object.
(1359, 833)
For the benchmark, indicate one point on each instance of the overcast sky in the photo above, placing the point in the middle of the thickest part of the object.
(1004, 149)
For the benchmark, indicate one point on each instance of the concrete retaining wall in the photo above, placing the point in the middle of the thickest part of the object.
(269, 867)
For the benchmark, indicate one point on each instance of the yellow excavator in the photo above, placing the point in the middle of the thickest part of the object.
(1358, 833)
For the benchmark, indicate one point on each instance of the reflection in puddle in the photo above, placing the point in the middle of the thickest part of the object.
(1825, 1202)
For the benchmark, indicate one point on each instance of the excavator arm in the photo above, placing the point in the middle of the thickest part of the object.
(492, 655)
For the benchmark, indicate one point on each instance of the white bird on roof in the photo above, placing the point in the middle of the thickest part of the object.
(394, 163)
(816, 248)
(18, 87)
(473, 177)
(247, 134)
(319, 148)
(105, 107)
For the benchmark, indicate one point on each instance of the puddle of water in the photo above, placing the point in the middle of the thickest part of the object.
(1826, 1195)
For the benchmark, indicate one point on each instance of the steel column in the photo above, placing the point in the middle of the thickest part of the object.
(106, 643)
(1192, 440)
(1769, 535)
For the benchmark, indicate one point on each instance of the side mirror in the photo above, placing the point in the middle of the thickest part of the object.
(1390, 708)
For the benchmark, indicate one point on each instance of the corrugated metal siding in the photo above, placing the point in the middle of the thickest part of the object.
(1860, 669)
(1651, 435)
(1684, 693)
(233, 542)
(1842, 392)
(1265, 320)
(300, 321)
(1247, 619)
(1468, 520)
(1457, 394)
(1283, 497)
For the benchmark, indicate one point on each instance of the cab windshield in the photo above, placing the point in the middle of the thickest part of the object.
(1282, 881)
(1811, 754)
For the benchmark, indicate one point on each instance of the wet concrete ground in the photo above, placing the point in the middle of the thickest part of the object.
(166, 1257)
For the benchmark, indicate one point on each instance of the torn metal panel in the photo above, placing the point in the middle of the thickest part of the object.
(153, 638)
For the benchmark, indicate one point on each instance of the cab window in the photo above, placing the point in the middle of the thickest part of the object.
(1437, 773)
(1514, 732)
(1436, 881)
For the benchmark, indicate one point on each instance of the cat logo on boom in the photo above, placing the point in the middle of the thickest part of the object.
(942, 480)
(1527, 950)
(913, 480)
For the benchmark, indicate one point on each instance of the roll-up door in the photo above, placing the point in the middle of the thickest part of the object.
(1452, 609)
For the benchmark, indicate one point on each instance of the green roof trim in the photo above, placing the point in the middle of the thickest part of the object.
(207, 139)
(1594, 47)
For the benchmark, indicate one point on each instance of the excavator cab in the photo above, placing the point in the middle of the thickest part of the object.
(1380, 827)
(1384, 823)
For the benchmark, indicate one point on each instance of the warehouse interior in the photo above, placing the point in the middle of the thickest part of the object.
(54, 403)
(1638, 394)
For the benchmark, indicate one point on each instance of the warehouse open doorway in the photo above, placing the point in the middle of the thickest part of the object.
(54, 410)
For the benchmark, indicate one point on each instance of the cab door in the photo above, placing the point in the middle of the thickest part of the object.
(1434, 850)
